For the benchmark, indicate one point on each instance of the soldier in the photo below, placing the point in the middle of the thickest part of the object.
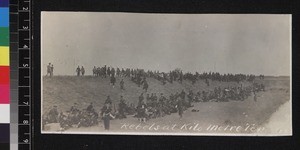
(207, 82)
(108, 71)
(49, 70)
(179, 106)
(141, 98)
(78, 71)
(90, 108)
(74, 109)
(122, 84)
(148, 99)
(162, 98)
(82, 71)
(122, 108)
(108, 100)
(106, 115)
(113, 71)
(53, 115)
(254, 96)
(113, 80)
(145, 87)
(161, 104)
(190, 98)
(141, 111)
(52, 68)
(182, 94)
(95, 71)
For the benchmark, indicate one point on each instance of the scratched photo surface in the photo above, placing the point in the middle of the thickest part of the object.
(166, 74)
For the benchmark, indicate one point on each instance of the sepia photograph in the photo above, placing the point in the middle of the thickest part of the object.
(166, 74)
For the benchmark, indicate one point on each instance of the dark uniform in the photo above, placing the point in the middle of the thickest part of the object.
(48, 69)
(122, 84)
(78, 71)
(106, 115)
(122, 108)
(51, 70)
(90, 108)
(113, 80)
(180, 107)
(82, 71)
(145, 87)
(53, 115)
(108, 100)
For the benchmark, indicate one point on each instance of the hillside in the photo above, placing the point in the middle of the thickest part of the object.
(67, 90)
(63, 91)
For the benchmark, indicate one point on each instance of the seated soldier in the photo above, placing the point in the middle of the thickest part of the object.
(108, 100)
(53, 115)
(90, 108)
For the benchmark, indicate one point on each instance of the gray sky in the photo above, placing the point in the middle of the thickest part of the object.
(227, 43)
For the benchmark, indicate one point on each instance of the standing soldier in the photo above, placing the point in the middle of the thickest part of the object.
(95, 71)
(145, 87)
(122, 108)
(49, 69)
(122, 84)
(118, 72)
(82, 71)
(104, 71)
(182, 94)
(52, 68)
(113, 72)
(113, 80)
(108, 71)
(254, 96)
(141, 111)
(207, 82)
(190, 98)
(106, 115)
(141, 98)
(179, 107)
(78, 71)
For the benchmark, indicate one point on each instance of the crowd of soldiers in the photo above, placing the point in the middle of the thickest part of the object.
(149, 106)
(138, 75)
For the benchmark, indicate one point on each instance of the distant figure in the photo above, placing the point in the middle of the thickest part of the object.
(207, 82)
(78, 71)
(182, 94)
(108, 100)
(51, 68)
(145, 87)
(179, 107)
(254, 97)
(141, 98)
(122, 84)
(82, 71)
(95, 71)
(113, 80)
